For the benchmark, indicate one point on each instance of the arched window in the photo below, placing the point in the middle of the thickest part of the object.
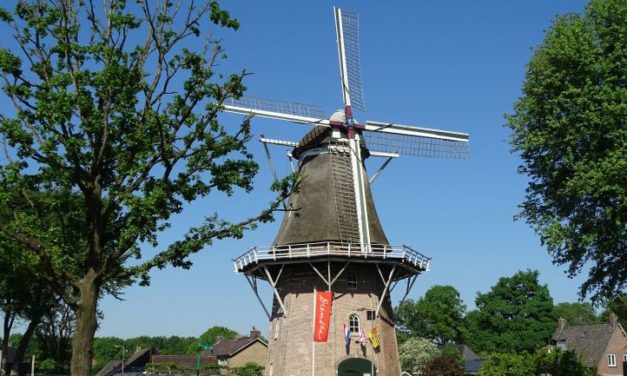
(353, 324)
(351, 281)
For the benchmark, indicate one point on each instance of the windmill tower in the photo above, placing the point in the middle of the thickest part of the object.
(331, 266)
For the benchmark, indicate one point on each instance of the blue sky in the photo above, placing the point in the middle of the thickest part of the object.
(455, 65)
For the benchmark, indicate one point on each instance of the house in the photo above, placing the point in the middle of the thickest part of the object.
(134, 364)
(470, 360)
(238, 352)
(137, 364)
(603, 346)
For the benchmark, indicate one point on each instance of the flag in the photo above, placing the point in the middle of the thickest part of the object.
(362, 336)
(323, 301)
(347, 335)
(373, 335)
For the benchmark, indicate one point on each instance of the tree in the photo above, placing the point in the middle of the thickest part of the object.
(119, 110)
(54, 336)
(569, 128)
(415, 352)
(617, 306)
(24, 295)
(515, 315)
(211, 335)
(555, 362)
(443, 365)
(499, 364)
(576, 313)
(438, 316)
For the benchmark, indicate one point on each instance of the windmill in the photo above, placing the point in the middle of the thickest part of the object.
(337, 229)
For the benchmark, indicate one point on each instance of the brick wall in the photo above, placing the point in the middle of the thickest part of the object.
(257, 353)
(618, 347)
(291, 349)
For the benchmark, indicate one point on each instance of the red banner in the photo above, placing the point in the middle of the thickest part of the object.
(323, 301)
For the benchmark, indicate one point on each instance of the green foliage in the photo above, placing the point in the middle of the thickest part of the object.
(569, 128)
(619, 307)
(443, 365)
(499, 364)
(45, 366)
(576, 313)
(210, 335)
(249, 369)
(437, 316)
(415, 352)
(560, 363)
(544, 361)
(115, 130)
(515, 315)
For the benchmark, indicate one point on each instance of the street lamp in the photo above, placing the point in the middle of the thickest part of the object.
(123, 355)
(199, 349)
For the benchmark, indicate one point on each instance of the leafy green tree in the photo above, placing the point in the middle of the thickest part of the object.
(443, 365)
(515, 315)
(210, 337)
(54, 336)
(569, 128)
(576, 313)
(500, 364)
(24, 295)
(438, 316)
(555, 362)
(211, 334)
(119, 109)
(415, 352)
(619, 307)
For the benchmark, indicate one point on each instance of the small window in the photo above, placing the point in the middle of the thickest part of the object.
(624, 357)
(353, 324)
(611, 360)
(371, 314)
(351, 281)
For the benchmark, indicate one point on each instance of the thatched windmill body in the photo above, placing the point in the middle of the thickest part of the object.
(331, 265)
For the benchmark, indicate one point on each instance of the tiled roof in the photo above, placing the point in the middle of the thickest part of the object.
(111, 368)
(590, 341)
(183, 360)
(229, 348)
(136, 360)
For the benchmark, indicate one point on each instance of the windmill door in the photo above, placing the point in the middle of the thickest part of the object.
(356, 367)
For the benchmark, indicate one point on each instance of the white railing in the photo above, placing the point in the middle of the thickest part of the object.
(311, 250)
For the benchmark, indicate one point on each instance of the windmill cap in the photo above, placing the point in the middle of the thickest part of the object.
(319, 136)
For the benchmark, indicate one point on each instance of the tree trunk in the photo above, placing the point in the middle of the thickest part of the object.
(86, 322)
(9, 317)
(23, 345)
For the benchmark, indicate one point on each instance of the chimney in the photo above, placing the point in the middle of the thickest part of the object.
(613, 319)
(254, 333)
(561, 323)
(219, 339)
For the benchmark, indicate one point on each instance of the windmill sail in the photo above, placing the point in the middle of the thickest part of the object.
(347, 29)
